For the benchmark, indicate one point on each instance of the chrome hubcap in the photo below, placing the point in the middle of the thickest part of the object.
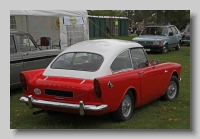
(165, 49)
(172, 90)
(126, 106)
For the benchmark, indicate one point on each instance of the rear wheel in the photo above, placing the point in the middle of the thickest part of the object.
(178, 47)
(125, 110)
(173, 90)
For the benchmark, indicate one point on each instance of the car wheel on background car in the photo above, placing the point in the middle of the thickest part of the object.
(178, 47)
(125, 110)
(165, 49)
(173, 90)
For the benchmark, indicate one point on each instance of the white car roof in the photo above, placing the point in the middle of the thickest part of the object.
(108, 48)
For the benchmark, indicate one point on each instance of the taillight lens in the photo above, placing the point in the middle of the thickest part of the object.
(23, 82)
(97, 88)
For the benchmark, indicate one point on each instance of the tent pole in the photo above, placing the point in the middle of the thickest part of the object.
(27, 24)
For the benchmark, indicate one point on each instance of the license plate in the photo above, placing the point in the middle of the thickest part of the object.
(147, 49)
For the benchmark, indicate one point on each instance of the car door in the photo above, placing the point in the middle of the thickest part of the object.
(123, 77)
(177, 36)
(16, 63)
(172, 42)
(33, 58)
(150, 76)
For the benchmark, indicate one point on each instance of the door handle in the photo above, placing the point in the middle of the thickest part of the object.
(25, 54)
(141, 72)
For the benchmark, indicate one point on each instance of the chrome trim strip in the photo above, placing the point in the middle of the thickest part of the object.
(82, 81)
(46, 78)
(131, 58)
(81, 107)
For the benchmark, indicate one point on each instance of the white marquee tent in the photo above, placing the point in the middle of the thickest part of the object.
(51, 23)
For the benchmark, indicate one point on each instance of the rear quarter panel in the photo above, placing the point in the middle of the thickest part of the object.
(122, 82)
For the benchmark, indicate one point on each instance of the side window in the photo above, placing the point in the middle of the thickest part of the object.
(122, 62)
(169, 30)
(174, 30)
(164, 31)
(139, 58)
(12, 45)
(25, 43)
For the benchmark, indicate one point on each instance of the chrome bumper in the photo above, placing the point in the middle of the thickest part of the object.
(81, 107)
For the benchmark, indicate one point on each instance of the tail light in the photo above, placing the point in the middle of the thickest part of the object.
(97, 88)
(23, 81)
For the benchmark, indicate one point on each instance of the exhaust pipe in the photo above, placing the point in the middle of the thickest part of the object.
(38, 112)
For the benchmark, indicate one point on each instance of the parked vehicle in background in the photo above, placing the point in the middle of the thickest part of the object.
(138, 31)
(186, 36)
(26, 55)
(159, 38)
(97, 77)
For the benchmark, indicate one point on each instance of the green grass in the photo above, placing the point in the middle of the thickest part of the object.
(156, 115)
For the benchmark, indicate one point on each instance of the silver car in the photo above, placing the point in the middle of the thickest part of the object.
(159, 38)
(26, 55)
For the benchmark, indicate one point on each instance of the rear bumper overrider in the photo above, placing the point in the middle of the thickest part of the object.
(81, 106)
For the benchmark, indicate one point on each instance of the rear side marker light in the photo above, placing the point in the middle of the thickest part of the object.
(97, 88)
(23, 81)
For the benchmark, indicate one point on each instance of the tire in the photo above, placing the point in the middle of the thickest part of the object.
(126, 108)
(182, 43)
(178, 47)
(165, 49)
(172, 91)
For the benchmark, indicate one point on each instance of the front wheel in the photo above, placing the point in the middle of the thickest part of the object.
(125, 110)
(165, 49)
(173, 90)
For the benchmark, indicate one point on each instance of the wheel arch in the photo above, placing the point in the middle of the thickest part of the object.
(134, 93)
(175, 73)
(165, 43)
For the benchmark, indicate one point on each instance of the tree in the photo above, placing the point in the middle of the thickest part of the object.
(159, 16)
(130, 15)
(140, 15)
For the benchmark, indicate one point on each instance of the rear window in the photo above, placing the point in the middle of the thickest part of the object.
(80, 61)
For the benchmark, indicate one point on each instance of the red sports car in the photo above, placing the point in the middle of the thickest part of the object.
(97, 77)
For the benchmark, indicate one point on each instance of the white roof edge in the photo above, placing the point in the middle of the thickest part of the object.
(108, 17)
(56, 13)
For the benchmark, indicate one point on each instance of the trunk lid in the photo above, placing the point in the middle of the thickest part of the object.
(64, 89)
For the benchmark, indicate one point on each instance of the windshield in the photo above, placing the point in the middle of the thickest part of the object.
(81, 61)
(187, 28)
(162, 31)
